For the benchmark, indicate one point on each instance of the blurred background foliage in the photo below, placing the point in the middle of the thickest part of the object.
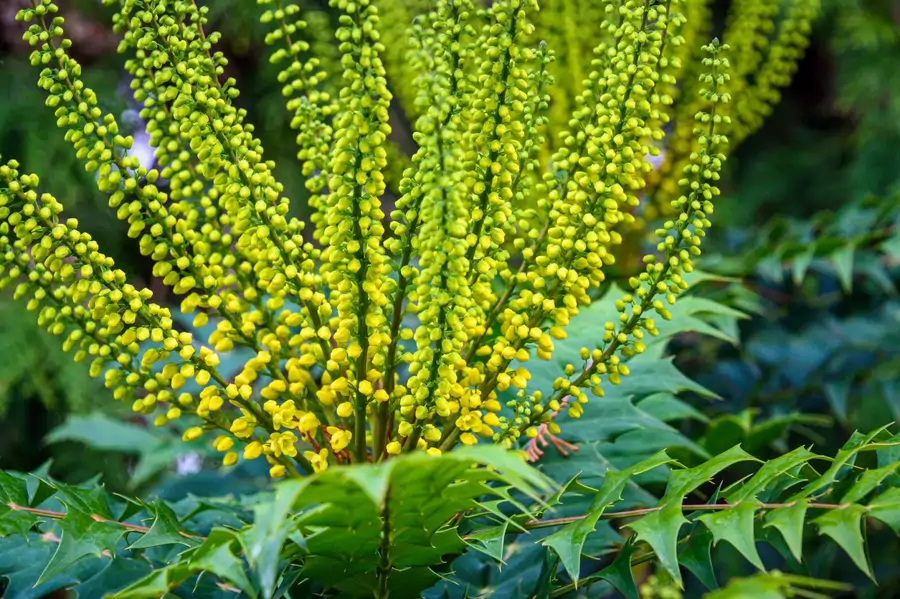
(805, 243)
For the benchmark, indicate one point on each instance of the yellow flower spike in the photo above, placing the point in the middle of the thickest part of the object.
(433, 451)
(693, 208)
(277, 471)
(230, 458)
(391, 342)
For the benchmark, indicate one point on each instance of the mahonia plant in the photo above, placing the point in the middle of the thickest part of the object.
(383, 330)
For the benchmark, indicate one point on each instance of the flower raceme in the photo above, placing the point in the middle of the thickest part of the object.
(381, 331)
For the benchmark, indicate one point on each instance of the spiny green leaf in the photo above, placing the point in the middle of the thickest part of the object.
(660, 529)
(21, 561)
(545, 577)
(14, 521)
(510, 465)
(39, 491)
(573, 485)
(857, 443)
(374, 482)
(490, 541)
(843, 265)
(886, 507)
(216, 555)
(263, 541)
(568, 541)
(116, 574)
(801, 263)
(769, 471)
(165, 530)
(154, 585)
(494, 509)
(90, 499)
(653, 375)
(699, 315)
(789, 522)
(889, 452)
(13, 491)
(844, 525)
(687, 480)
(696, 556)
(891, 246)
(619, 573)
(82, 536)
(867, 482)
(735, 526)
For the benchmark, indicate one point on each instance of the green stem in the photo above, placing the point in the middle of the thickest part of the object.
(384, 552)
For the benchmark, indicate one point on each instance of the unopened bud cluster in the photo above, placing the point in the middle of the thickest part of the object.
(378, 334)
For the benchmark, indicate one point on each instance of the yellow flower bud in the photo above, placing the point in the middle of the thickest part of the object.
(192, 433)
(253, 450)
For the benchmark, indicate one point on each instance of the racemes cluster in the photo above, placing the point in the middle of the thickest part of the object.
(374, 334)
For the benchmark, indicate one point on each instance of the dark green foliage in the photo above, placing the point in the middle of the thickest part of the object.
(350, 529)
(385, 528)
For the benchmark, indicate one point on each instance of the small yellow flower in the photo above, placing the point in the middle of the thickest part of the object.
(340, 438)
(308, 422)
(318, 460)
(468, 439)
